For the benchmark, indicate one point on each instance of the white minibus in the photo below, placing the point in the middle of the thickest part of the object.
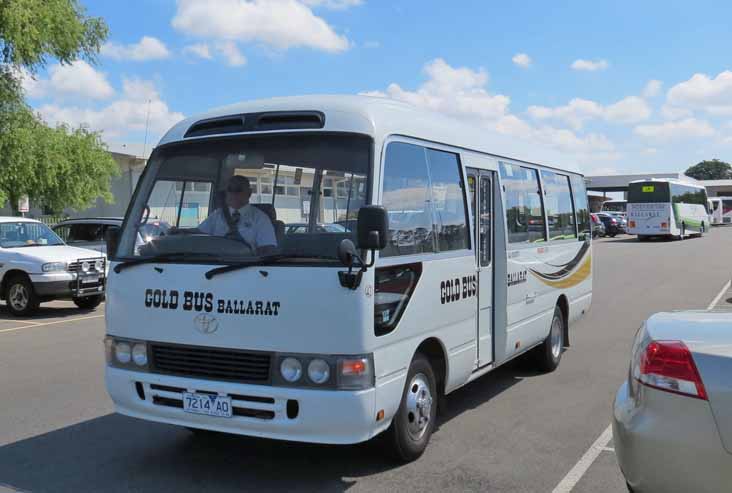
(721, 210)
(661, 207)
(373, 258)
(614, 206)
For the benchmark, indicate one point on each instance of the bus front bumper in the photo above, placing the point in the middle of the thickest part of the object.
(323, 416)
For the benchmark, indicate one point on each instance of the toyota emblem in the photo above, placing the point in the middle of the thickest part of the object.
(205, 324)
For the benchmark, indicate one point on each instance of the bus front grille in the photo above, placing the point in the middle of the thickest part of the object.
(211, 363)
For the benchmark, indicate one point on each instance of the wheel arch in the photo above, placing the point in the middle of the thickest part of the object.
(435, 352)
(8, 276)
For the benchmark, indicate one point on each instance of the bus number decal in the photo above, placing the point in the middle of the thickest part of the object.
(457, 289)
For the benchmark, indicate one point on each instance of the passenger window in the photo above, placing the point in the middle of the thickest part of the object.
(448, 204)
(524, 210)
(486, 219)
(558, 204)
(406, 198)
(579, 194)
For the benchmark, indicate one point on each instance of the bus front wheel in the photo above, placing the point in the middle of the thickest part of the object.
(414, 422)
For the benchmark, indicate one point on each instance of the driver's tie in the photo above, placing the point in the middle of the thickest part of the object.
(234, 229)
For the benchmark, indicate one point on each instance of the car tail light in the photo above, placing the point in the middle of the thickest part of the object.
(632, 224)
(664, 225)
(613, 221)
(669, 366)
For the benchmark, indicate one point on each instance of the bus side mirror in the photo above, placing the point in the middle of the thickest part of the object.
(373, 228)
(111, 238)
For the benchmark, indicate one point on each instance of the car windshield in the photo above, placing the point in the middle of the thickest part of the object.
(27, 234)
(231, 199)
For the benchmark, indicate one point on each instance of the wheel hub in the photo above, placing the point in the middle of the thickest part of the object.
(18, 296)
(556, 337)
(419, 406)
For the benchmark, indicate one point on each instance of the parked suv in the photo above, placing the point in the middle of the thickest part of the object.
(91, 232)
(37, 266)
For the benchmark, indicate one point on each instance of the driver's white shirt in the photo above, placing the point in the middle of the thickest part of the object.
(254, 226)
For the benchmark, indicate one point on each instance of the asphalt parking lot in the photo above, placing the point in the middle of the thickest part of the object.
(513, 430)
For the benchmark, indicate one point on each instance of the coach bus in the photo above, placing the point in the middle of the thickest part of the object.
(412, 256)
(614, 206)
(721, 210)
(670, 208)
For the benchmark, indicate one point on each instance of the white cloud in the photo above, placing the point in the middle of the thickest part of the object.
(200, 50)
(125, 115)
(652, 88)
(712, 95)
(462, 92)
(682, 129)
(458, 91)
(628, 110)
(333, 4)
(631, 109)
(590, 65)
(148, 48)
(522, 60)
(575, 113)
(77, 79)
(281, 24)
(231, 53)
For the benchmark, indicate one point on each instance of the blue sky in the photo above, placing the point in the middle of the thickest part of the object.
(620, 86)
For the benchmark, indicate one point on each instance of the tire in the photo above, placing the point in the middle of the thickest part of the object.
(549, 353)
(642, 238)
(612, 235)
(20, 296)
(89, 302)
(414, 422)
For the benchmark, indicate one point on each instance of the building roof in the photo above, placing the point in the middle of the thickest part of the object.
(716, 183)
(381, 117)
(619, 183)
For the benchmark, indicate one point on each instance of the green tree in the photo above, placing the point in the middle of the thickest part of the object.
(56, 167)
(710, 170)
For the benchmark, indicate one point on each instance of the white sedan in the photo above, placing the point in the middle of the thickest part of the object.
(672, 421)
(37, 266)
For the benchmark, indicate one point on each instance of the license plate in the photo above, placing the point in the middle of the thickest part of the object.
(89, 279)
(210, 405)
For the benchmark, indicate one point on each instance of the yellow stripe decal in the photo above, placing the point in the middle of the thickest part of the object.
(582, 273)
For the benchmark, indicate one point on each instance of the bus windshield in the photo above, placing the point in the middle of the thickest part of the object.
(649, 192)
(229, 199)
(615, 206)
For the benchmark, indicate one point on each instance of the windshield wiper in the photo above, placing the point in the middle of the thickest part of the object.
(157, 258)
(244, 264)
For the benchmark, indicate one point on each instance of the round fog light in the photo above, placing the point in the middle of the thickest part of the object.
(291, 369)
(85, 266)
(98, 265)
(318, 371)
(139, 354)
(122, 352)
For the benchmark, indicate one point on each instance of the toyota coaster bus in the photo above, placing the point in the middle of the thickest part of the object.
(412, 256)
(662, 207)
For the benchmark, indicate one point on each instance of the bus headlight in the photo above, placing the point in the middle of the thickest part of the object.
(291, 369)
(126, 353)
(318, 371)
(139, 354)
(327, 372)
(122, 353)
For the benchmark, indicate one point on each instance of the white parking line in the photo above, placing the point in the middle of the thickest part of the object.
(575, 474)
(719, 296)
(41, 324)
(579, 469)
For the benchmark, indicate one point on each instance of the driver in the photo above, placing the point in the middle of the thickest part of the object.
(244, 222)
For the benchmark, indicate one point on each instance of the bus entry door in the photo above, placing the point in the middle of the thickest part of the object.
(481, 184)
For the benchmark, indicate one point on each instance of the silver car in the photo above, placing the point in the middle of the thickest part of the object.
(672, 419)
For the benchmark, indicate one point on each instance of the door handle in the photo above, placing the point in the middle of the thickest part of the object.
(530, 298)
